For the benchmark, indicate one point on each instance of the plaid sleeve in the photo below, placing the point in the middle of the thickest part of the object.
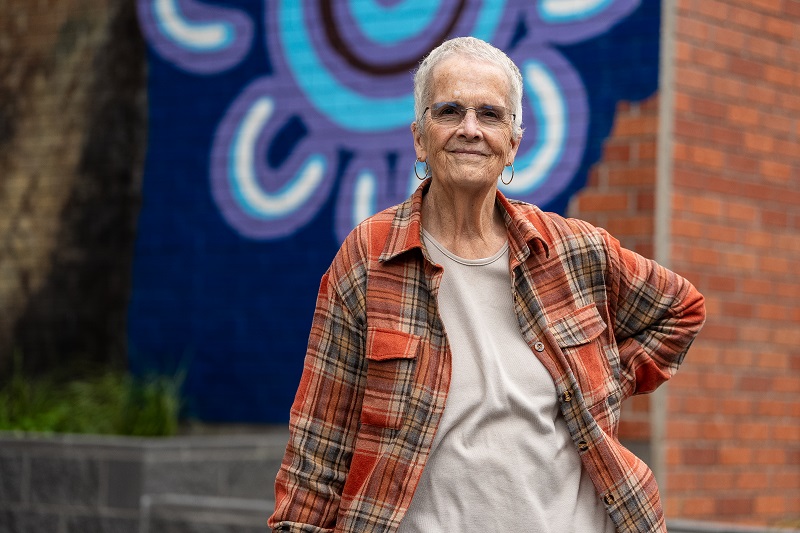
(657, 315)
(324, 415)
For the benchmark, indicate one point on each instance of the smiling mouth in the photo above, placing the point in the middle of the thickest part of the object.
(466, 152)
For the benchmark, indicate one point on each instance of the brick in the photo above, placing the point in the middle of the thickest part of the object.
(770, 505)
(705, 256)
(783, 29)
(645, 201)
(735, 406)
(740, 211)
(683, 51)
(744, 262)
(763, 95)
(698, 405)
(692, 78)
(697, 456)
(790, 242)
(752, 480)
(713, 9)
(792, 8)
(631, 225)
(729, 38)
(616, 151)
(634, 429)
(787, 100)
(786, 126)
(684, 481)
(778, 219)
(786, 336)
(779, 172)
(645, 150)
(721, 332)
(709, 108)
(771, 408)
(743, 114)
(596, 201)
(747, 68)
(745, 17)
(767, 49)
(717, 430)
(773, 6)
(753, 431)
(705, 156)
(636, 176)
(787, 384)
(779, 75)
(631, 126)
(693, 29)
(769, 456)
(734, 506)
(739, 309)
(725, 135)
(776, 264)
(698, 506)
(786, 432)
(717, 480)
(742, 163)
(713, 59)
(719, 282)
(759, 142)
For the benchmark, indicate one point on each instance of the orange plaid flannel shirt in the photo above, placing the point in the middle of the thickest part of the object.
(606, 323)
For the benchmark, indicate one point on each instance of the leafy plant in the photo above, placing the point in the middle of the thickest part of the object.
(111, 402)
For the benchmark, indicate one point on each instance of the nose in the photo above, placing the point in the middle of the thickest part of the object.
(470, 126)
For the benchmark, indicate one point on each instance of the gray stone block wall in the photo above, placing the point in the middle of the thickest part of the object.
(108, 484)
(191, 484)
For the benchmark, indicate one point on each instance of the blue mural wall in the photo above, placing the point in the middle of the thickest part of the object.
(277, 125)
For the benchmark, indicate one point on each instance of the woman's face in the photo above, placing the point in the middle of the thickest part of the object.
(470, 154)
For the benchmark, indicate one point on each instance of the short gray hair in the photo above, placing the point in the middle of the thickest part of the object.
(476, 49)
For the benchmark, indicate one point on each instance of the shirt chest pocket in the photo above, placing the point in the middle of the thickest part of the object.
(592, 362)
(391, 360)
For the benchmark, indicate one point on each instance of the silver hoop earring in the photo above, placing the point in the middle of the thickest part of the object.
(427, 170)
(512, 176)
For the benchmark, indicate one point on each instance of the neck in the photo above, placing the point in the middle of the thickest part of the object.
(467, 223)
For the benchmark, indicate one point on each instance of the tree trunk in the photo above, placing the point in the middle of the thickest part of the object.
(72, 142)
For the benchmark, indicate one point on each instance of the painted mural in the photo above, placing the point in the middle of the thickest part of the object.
(276, 126)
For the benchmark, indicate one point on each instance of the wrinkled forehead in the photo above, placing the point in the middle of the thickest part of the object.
(469, 80)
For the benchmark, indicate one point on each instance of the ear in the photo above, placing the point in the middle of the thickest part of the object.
(419, 146)
(512, 154)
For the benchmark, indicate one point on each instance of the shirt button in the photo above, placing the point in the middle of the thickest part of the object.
(583, 446)
(566, 396)
(539, 346)
(609, 499)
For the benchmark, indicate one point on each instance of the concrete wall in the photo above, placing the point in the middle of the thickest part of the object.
(85, 484)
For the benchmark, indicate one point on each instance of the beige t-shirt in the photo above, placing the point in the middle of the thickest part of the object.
(502, 458)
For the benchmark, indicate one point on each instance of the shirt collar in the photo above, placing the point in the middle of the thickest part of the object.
(524, 235)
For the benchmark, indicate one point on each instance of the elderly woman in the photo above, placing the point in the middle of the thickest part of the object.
(469, 354)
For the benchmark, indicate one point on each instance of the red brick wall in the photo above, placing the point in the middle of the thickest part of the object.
(732, 448)
(733, 415)
(619, 197)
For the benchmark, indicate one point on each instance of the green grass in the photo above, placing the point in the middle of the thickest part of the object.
(108, 403)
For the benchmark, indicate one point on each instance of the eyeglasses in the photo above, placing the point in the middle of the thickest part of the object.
(452, 114)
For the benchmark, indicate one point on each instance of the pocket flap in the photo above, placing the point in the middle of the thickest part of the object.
(383, 344)
(578, 327)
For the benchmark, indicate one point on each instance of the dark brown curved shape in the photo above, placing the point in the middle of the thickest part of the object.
(340, 45)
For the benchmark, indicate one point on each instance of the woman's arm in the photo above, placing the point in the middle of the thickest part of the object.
(657, 315)
(323, 420)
